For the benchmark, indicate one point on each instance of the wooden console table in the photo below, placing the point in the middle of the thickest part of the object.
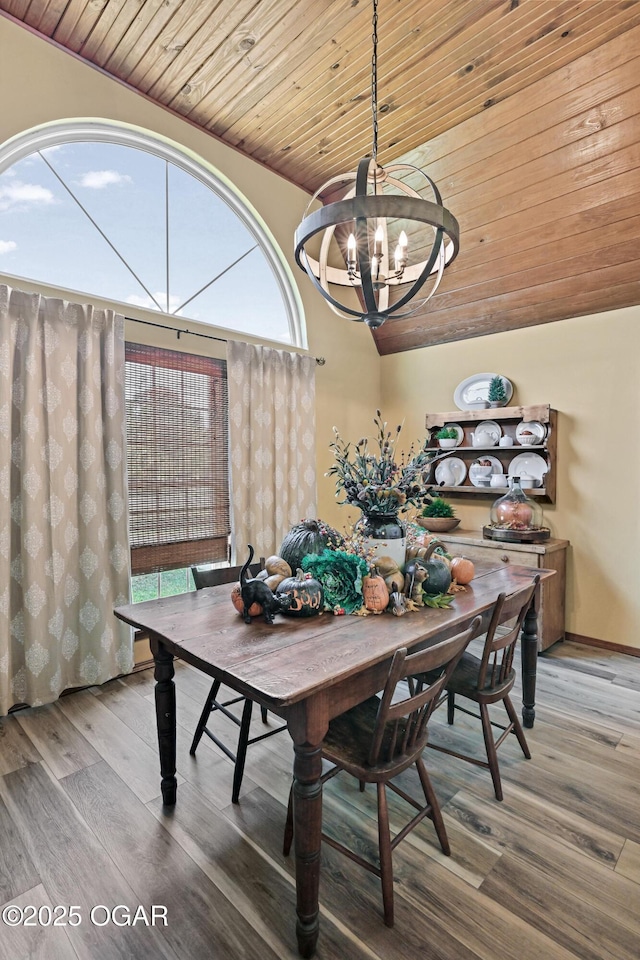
(550, 554)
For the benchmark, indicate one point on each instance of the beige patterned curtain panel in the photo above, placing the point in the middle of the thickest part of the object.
(64, 555)
(272, 448)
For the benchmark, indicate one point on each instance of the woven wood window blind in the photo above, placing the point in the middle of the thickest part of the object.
(177, 458)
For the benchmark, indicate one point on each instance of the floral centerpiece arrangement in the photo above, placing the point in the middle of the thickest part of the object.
(378, 478)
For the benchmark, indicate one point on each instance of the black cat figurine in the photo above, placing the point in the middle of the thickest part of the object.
(256, 591)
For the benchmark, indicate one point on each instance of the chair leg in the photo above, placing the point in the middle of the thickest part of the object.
(263, 712)
(492, 753)
(243, 740)
(204, 716)
(517, 726)
(386, 866)
(288, 826)
(432, 800)
(451, 706)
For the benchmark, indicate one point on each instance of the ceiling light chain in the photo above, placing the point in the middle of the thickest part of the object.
(374, 81)
(353, 233)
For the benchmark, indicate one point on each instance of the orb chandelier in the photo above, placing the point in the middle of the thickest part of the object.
(376, 234)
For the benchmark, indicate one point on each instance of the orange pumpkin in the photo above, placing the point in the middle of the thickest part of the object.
(514, 514)
(375, 592)
(236, 598)
(462, 570)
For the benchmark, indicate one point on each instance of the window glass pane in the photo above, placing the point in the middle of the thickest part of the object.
(244, 300)
(206, 236)
(173, 582)
(150, 586)
(45, 235)
(123, 191)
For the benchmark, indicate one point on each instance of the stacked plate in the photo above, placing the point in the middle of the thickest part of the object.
(530, 466)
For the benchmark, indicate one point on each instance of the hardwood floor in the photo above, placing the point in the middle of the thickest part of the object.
(552, 873)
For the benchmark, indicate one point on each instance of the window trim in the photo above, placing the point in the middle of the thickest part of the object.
(105, 131)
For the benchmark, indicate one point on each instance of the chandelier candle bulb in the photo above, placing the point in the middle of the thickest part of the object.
(377, 242)
(351, 254)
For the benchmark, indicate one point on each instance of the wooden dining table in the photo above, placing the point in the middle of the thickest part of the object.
(307, 671)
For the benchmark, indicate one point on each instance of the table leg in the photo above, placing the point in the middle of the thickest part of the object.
(165, 693)
(529, 654)
(307, 818)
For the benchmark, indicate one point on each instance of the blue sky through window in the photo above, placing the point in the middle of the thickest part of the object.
(131, 195)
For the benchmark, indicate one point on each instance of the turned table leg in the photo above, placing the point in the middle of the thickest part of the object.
(307, 818)
(529, 654)
(165, 693)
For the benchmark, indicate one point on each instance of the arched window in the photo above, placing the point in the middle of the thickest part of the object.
(110, 211)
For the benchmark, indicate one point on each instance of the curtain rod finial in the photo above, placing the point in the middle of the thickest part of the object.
(320, 361)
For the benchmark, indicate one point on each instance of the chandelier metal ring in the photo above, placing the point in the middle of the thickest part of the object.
(361, 208)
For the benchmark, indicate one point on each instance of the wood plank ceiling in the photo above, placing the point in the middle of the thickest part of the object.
(524, 112)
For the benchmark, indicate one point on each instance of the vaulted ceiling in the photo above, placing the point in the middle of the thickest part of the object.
(526, 113)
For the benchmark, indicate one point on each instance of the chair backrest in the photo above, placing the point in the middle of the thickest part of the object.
(401, 724)
(214, 576)
(499, 647)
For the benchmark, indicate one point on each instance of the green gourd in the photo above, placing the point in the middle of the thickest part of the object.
(308, 537)
(438, 575)
(438, 579)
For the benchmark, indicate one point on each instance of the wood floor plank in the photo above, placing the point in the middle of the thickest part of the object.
(17, 871)
(160, 871)
(39, 942)
(628, 864)
(630, 747)
(590, 698)
(580, 656)
(75, 868)
(133, 759)
(57, 740)
(606, 798)
(16, 749)
(566, 918)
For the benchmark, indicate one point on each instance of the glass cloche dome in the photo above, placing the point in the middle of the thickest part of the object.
(516, 517)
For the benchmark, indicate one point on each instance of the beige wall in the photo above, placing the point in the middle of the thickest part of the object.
(589, 370)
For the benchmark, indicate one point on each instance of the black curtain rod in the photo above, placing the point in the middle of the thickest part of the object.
(192, 333)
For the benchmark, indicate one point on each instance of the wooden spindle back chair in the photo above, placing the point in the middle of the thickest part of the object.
(380, 738)
(211, 577)
(489, 679)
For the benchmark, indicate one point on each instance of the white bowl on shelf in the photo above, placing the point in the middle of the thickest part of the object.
(527, 482)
